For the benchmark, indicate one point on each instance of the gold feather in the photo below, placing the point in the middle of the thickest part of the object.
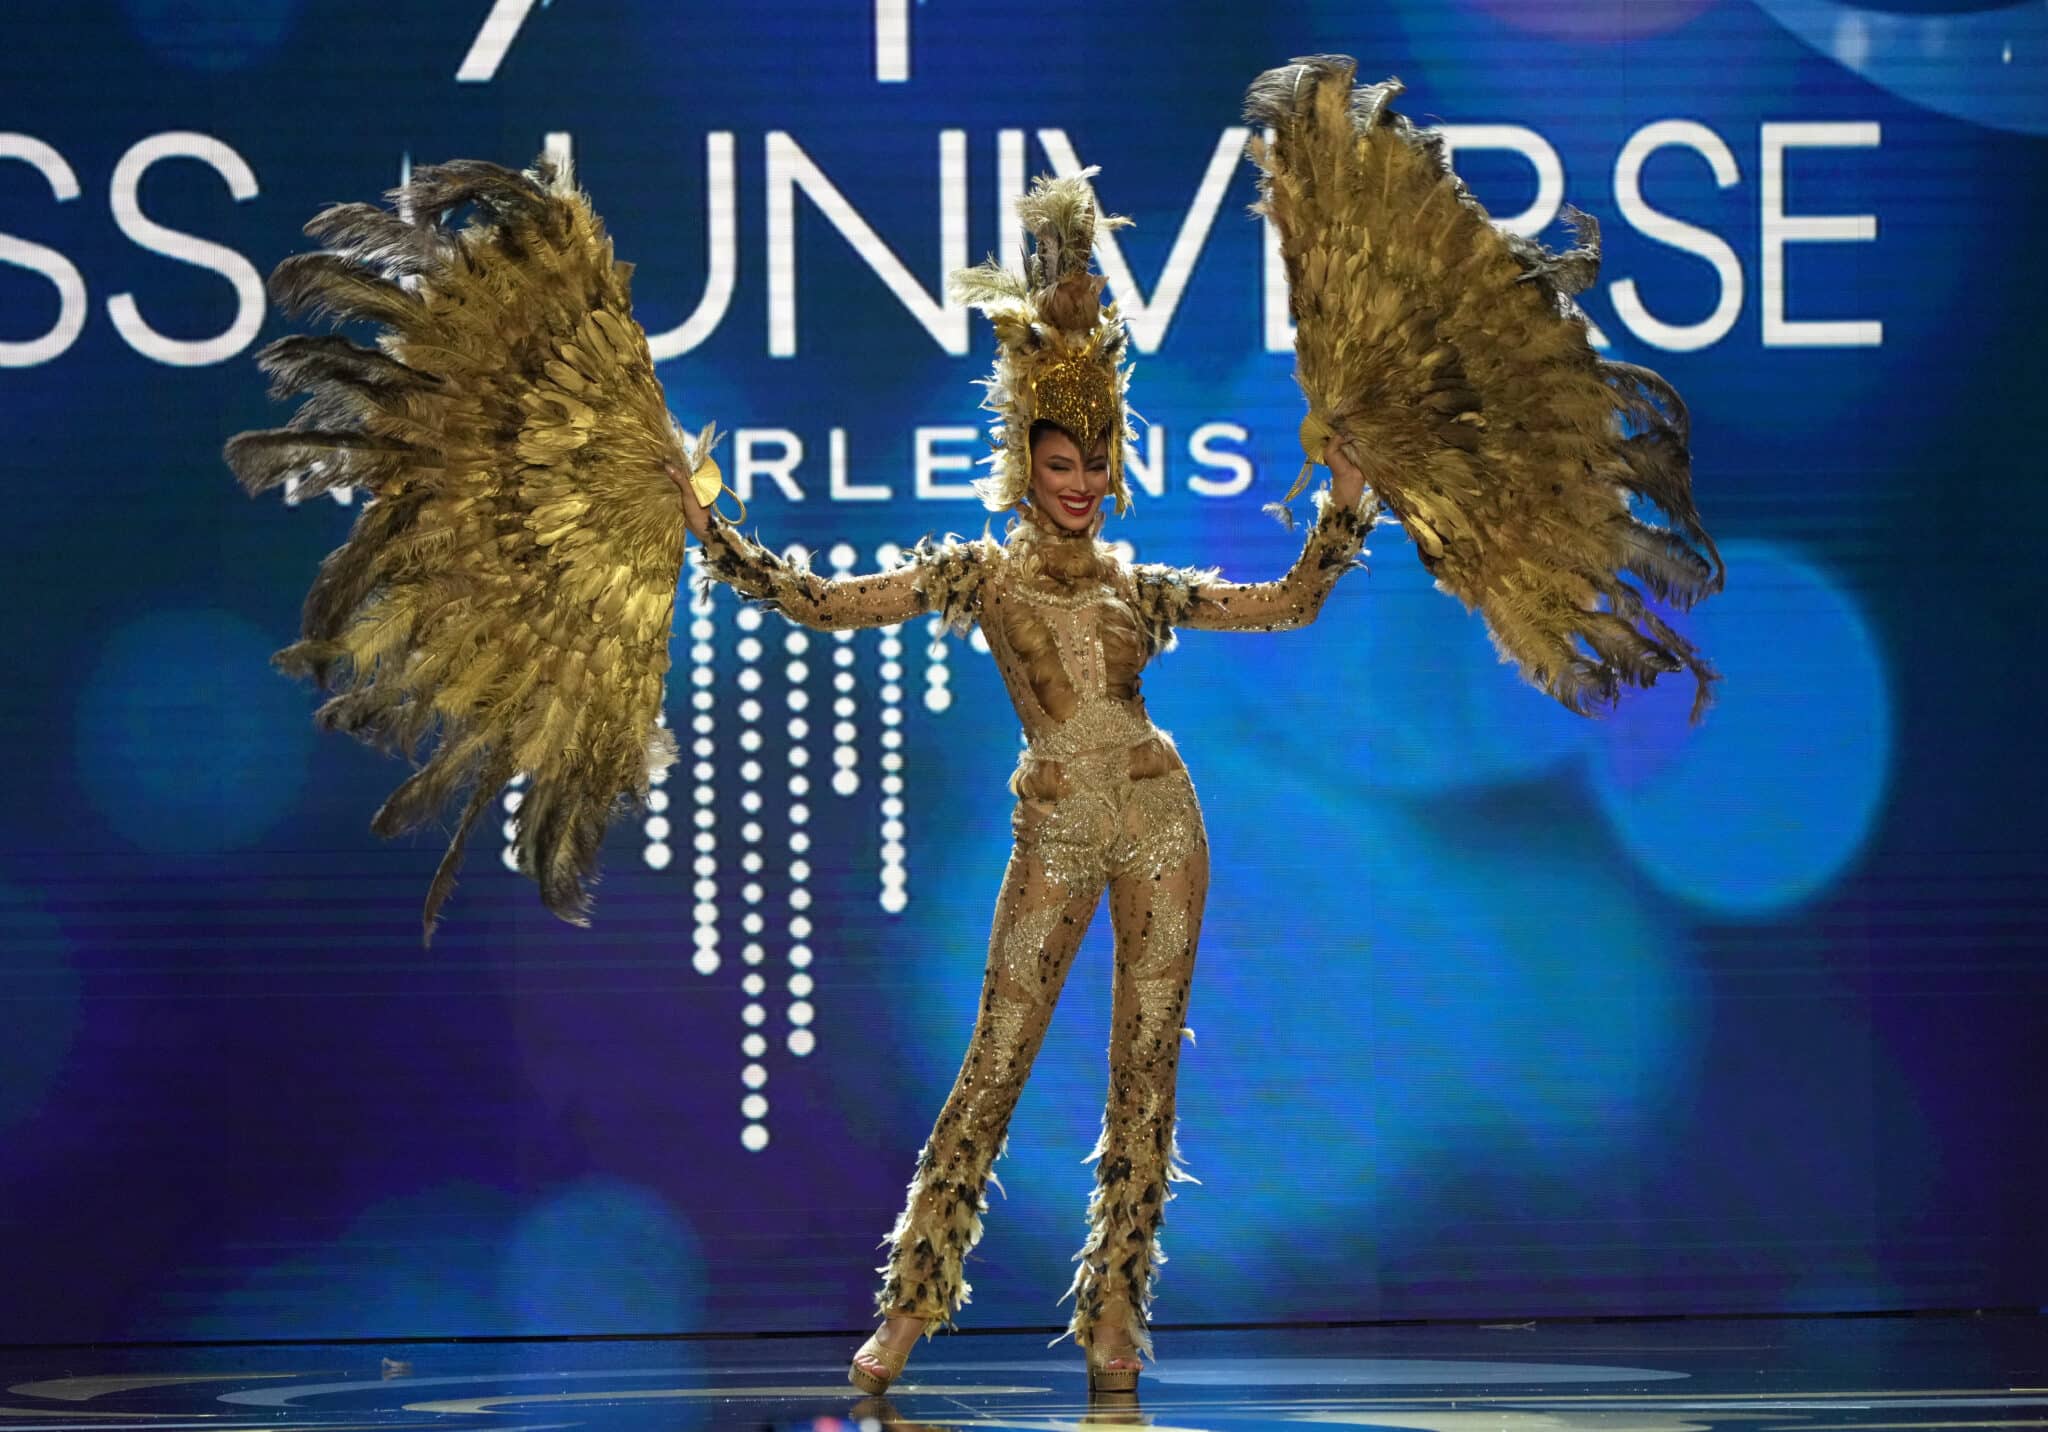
(1447, 360)
(509, 588)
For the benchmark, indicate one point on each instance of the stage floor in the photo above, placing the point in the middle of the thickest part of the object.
(1804, 1375)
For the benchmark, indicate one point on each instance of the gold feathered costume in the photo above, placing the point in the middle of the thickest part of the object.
(508, 589)
(1448, 360)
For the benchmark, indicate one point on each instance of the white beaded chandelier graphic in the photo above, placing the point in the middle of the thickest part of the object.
(784, 672)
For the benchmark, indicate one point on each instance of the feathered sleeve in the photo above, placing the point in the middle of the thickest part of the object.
(951, 574)
(1169, 597)
(945, 577)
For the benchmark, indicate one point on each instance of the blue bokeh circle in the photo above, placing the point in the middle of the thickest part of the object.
(1767, 801)
(187, 742)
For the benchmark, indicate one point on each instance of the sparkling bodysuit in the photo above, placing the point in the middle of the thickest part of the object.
(1103, 803)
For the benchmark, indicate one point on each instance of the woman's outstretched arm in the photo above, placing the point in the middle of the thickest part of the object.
(1184, 597)
(942, 576)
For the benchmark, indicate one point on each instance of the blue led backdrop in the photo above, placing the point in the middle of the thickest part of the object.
(1500, 1011)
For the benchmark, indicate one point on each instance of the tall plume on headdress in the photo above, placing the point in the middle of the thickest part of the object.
(1448, 359)
(509, 587)
(1059, 348)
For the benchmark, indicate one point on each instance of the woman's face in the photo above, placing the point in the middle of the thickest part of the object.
(1067, 484)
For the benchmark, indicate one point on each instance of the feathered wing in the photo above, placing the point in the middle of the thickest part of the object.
(1449, 360)
(508, 589)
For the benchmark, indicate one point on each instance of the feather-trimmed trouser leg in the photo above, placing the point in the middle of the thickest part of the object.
(1156, 895)
(1040, 916)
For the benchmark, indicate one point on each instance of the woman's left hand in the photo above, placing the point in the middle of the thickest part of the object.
(1347, 483)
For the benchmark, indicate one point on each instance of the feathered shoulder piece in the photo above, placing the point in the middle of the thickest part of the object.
(1059, 348)
(1447, 359)
(507, 591)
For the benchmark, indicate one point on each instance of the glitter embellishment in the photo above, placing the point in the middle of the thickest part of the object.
(1080, 394)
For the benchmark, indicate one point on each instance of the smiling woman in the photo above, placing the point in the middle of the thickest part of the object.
(1067, 484)
(1104, 803)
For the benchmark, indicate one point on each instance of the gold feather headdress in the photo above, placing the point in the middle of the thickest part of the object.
(1059, 348)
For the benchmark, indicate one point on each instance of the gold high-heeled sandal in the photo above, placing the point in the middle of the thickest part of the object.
(1104, 1378)
(882, 1353)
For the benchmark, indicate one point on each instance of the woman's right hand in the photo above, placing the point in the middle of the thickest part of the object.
(694, 514)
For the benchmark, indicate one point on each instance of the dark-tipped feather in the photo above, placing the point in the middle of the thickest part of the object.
(390, 243)
(329, 286)
(306, 360)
